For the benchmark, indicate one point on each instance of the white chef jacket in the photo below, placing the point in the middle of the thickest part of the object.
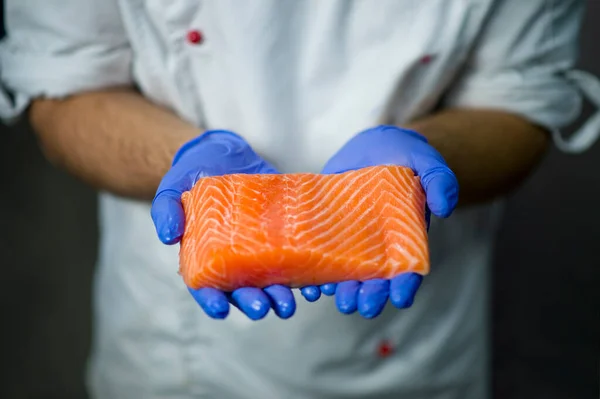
(297, 79)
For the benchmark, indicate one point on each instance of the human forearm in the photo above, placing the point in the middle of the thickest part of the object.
(491, 152)
(115, 140)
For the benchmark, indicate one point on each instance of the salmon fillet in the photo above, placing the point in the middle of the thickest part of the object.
(255, 230)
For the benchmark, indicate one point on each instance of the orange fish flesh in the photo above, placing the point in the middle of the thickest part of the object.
(255, 230)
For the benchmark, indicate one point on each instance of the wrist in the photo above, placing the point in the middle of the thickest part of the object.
(203, 137)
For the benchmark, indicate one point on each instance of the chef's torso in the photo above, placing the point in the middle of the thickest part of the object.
(297, 80)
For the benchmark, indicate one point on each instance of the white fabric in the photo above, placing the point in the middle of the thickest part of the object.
(297, 79)
(589, 132)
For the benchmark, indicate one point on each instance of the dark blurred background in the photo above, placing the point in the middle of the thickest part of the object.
(546, 322)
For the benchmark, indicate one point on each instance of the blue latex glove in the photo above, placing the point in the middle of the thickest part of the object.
(215, 153)
(390, 145)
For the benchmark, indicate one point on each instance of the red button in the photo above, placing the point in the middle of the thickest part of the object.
(385, 349)
(195, 37)
(426, 59)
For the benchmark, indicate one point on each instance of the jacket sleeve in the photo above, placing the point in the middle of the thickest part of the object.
(522, 63)
(58, 48)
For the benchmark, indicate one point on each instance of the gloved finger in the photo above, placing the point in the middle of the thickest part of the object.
(442, 194)
(403, 289)
(212, 301)
(438, 181)
(282, 300)
(168, 217)
(346, 296)
(251, 301)
(372, 297)
(311, 293)
(328, 289)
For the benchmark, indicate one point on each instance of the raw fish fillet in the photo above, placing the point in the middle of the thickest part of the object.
(302, 229)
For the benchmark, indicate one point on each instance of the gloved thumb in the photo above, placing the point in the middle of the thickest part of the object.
(442, 192)
(168, 217)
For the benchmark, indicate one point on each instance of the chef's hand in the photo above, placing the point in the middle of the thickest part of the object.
(390, 145)
(215, 153)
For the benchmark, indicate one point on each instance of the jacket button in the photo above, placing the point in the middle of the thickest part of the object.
(426, 59)
(195, 37)
(385, 349)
